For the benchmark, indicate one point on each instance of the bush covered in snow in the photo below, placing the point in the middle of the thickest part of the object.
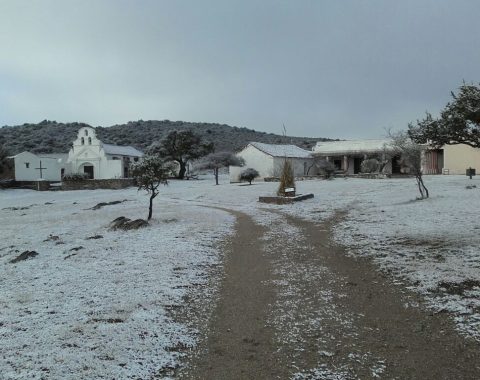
(369, 165)
(249, 175)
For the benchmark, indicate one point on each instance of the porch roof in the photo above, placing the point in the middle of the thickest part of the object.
(351, 146)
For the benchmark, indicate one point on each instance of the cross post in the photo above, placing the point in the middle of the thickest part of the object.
(41, 168)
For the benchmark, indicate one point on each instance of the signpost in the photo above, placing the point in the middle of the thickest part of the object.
(470, 172)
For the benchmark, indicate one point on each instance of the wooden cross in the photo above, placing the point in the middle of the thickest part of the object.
(41, 169)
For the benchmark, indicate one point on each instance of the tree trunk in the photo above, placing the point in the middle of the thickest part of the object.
(215, 173)
(183, 169)
(424, 187)
(150, 208)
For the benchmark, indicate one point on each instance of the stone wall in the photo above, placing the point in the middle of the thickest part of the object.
(92, 184)
(34, 185)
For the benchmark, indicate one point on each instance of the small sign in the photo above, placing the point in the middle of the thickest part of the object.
(471, 172)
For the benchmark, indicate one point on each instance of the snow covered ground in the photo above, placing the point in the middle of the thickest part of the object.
(102, 308)
(432, 246)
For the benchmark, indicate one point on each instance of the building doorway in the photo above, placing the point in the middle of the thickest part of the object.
(357, 165)
(338, 164)
(396, 165)
(88, 170)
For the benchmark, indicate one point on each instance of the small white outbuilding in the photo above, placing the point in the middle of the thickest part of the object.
(33, 167)
(268, 160)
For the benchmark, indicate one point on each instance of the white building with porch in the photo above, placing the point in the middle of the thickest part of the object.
(347, 155)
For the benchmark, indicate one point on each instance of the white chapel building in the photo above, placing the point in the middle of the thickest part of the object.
(88, 155)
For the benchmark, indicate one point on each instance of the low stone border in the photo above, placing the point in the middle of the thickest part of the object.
(285, 200)
(92, 184)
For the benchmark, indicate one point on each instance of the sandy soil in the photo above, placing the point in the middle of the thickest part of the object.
(302, 309)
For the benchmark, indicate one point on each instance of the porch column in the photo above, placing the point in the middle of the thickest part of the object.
(345, 163)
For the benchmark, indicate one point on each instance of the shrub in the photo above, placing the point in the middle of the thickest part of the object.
(249, 175)
(370, 165)
(325, 168)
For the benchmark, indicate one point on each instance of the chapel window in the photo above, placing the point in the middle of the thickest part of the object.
(89, 141)
(27, 164)
(83, 141)
(86, 132)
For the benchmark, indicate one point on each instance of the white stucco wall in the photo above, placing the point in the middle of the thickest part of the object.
(52, 171)
(89, 151)
(457, 158)
(267, 165)
(255, 159)
(298, 165)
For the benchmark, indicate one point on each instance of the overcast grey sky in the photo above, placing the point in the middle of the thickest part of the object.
(329, 68)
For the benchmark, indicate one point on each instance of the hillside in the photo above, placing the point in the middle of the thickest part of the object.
(52, 137)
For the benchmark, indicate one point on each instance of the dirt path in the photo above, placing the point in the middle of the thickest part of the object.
(293, 305)
(240, 343)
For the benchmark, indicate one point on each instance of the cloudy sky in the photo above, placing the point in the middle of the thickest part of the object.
(324, 68)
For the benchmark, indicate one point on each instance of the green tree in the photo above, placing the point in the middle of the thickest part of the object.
(216, 161)
(150, 173)
(459, 121)
(249, 175)
(5, 162)
(181, 147)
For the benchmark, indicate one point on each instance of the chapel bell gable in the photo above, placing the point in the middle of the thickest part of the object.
(86, 136)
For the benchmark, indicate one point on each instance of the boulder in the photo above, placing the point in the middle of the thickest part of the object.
(127, 224)
(24, 256)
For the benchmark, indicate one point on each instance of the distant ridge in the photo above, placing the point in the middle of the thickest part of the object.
(52, 137)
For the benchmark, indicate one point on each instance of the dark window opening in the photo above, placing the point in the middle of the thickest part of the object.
(27, 164)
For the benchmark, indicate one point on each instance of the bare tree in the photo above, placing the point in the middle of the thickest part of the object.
(324, 167)
(249, 175)
(287, 178)
(219, 160)
(150, 173)
(411, 153)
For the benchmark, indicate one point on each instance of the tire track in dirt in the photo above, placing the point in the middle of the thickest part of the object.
(371, 330)
(293, 305)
